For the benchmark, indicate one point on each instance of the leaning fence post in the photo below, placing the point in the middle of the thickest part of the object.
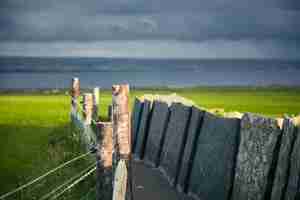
(121, 127)
(75, 93)
(104, 161)
(96, 103)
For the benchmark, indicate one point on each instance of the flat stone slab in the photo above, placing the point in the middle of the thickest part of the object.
(135, 120)
(190, 148)
(292, 189)
(150, 184)
(259, 137)
(213, 167)
(141, 136)
(157, 128)
(174, 141)
(281, 175)
(168, 99)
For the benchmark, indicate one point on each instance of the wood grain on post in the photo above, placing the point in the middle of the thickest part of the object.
(121, 134)
(75, 93)
(104, 161)
(87, 108)
(120, 181)
(121, 120)
(96, 93)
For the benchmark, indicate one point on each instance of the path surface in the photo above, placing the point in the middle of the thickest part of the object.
(150, 184)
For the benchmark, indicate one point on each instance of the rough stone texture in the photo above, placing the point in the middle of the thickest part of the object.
(174, 141)
(190, 147)
(168, 99)
(294, 177)
(256, 150)
(135, 120)
(142, 131)
(281, 175)
(213, 167)
(156, 132)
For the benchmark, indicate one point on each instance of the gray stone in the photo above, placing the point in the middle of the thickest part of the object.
(213, 167)
(174, 141)
(190, 147)
(294, 177)
(142, 131)
(259, 137)
(135, 120)
(281, 175)
(157, 127)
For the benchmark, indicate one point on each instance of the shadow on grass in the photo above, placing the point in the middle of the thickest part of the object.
(27, 152)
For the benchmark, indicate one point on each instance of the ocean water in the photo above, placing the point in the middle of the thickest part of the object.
(42, 73)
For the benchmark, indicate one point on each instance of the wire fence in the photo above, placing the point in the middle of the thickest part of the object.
(69, 181)
(75, 183)
(44, 175)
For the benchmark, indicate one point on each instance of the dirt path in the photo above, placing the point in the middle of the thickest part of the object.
(149, 184)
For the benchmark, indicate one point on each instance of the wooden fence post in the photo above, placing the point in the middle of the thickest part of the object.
(96, 93)
(104, 161)
(75, 93)
(110, 113)
(87, 108)
(121, 128)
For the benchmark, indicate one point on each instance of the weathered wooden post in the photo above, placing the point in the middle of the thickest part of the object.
(75, 93)
(121, 134)
(96, 103)
(88, 108)
(104, 161)
(88, 135)
(110, 113)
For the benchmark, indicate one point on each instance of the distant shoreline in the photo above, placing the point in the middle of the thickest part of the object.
(153, 89)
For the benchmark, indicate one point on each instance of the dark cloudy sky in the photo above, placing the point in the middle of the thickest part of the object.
(151, 28)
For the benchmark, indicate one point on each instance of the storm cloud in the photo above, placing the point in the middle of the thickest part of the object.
(271, 22)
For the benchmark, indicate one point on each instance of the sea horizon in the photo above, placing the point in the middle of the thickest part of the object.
(19, 72)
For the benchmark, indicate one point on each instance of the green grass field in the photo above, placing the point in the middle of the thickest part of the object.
(35, 133)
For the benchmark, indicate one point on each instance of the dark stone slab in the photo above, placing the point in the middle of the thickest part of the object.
(142, 130)
(135, 120)
(292, 190)
(213, 167)
(157, 128)
(174, 141)
(281, 176)
(190, 148)
(259, 137)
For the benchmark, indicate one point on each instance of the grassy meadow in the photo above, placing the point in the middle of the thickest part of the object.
(35, 132)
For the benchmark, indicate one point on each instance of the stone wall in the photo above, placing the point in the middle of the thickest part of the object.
(211, 157)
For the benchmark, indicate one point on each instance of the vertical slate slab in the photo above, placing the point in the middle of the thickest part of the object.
(157, 127)
(142, 130)
(294, 176)
(213, 167)
(174, 141)
(259, 137)
(190, 147)
(282, 167)
(135, 120)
